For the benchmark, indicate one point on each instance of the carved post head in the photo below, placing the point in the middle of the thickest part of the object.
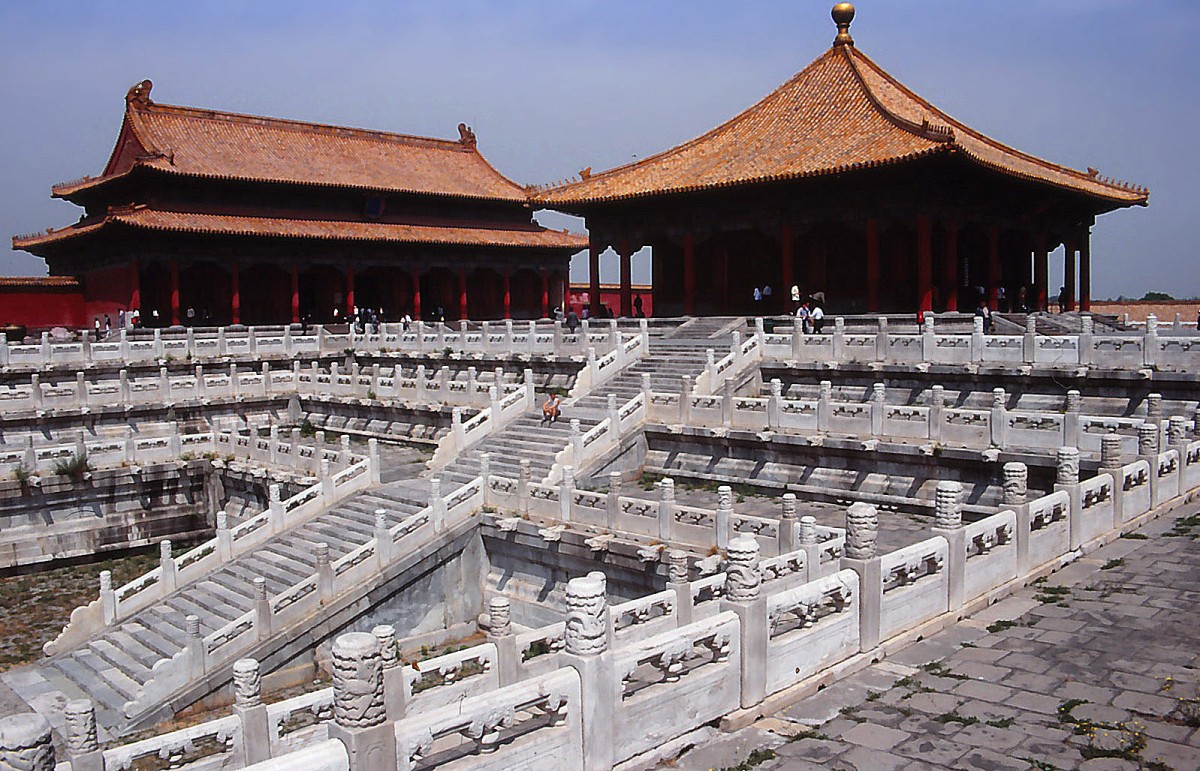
(1068, 466)
(1176, 430)
(937, 396)
(645, 381)
(1153, 406)
(389, 652)
(381, 519)
(1147, 434)
(586, 627)
(25, 743)
(164, 550)
(668, 490)
(1152, 323)
(1074, 400)
(575, 427)
(275, 493)
(998, 398)
(862, 531)
(612, 403)
(677, 566)
(260, 587)
(878, 392)
(977, 325)
(948, 505)
(192, 626)
(81, 727)
(808, 531)
(322, 553)
(710, 356)
(614, 482)
(357, 681)
(485, 464)
(1110, 451)
(743, 576)
(524, 472)
(1196, 422)
(435, 488)
(1031, 324)
(106, 580)
(789, 506)
(776, 387)
(500, 612)
(247, 683)
(825, 389)
(1016, 484)
(1088, 325)
(456, 415)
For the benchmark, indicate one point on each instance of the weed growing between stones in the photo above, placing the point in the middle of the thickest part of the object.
(1053, 594)
(938, 669)
(756, 757)
(1103, 740)
(955, 717)
(1184, 526)
(1001, 625)
(851, 713)
(1187, 707)
(1113, 563)
(1136, 536)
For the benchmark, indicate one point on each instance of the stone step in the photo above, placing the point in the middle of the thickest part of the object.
(246, 573)
(212, 614)
(231, 590)
(297, 569)
(127, 643)
(86, 679)
(114, 677)
(121, 659)
(297, 552)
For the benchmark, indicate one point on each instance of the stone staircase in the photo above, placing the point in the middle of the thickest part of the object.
(114, 665)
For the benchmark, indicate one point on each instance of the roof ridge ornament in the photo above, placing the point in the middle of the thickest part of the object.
(139, 93)
(843, 14)
(465, 135)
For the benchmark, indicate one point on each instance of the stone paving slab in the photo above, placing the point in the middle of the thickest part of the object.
(1082, 670)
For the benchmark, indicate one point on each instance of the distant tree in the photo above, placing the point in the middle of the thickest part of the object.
(1157, 296)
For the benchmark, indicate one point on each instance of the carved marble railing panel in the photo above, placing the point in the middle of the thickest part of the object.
(911, 422)
(797, 415)
(850, 418)
(1135, 489)
(535, 724)
(1096, 508)
(1166, 485)
(991, 558)
(810, 627)
(538, 649)
(212, 742)
(1040, 430)
(451, 677)
(707, 593)
(636, 515)
(1049, 536)
(643, 617)
(915, 586)
(786, 570)
(966, 427)
(698, 665)
(1056, 350)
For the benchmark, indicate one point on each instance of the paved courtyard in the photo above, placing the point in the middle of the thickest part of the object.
(1093, 668)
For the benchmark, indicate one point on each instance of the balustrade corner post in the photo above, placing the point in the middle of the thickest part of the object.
(998, 418)
(500, 634)
(224, 537)
(275, 512)
(558, 341)
(122, 384)
(343, 458)
(977, 340)
(222, 343)
(83, 748)
(614, 417)
(494, 401)
(1150, 342)
(262, 605)
(788, 534)
(577, 441)
(723, 519)
(937, 403)
(1029, 340)
(928, 340)
(456, 428)
(824, 405)
(530, 389)
(383, 539)
(775, 405)
(1073, 406)
(685, 400)
(524, 475)
(727, 405)
(797, 338)
(861, 556)
(743, 595)
(613, 500)
(1110, 463)
(81, 391)
(437, 505)
(839, 338)
(395, 685)
(710, 364)
(593, 369)
(360, 716)
(666, 509)
(1015, 496)
(566, 494)
(586, 649)
(108, 597)
(878, 408)
(235, 382)
(248, 706)
(485, 473)
(158, 344)
(167, 567)
(948, 524)
(27, 743)
(1067, 480)
(644, 332)
(324, 572)
(881, 339)
(373, 460)
(1084, 341)
(678, 581)
(194, 644)
(806, 537)
(4, 354)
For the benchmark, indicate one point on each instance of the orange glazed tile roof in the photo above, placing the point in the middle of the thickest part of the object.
(221, 145)
(841, 113)
(237, 225)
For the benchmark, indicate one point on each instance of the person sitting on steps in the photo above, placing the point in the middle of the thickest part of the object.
(551, 407)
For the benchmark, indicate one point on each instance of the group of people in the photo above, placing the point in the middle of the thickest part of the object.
(810, 312)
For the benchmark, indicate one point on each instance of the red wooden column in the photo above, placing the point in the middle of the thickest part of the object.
(993, 272)
(872, 265)
(135, 282)
(295, 294)
(235, 295)
(507, 278)
(416, 295)
(462, 293)
(1069, 271)
(545, 293)
(1085, 269)
(626, 255)
(924, 263)
(786, 268)
(593, 279)
(349, 290)
(689, 274)
(1041, 272)
(174, 292)
(950, 266)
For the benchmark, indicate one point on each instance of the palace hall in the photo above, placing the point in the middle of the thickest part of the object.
(843, 181)
(216, 218)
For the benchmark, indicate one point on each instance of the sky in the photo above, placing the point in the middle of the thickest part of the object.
(553, 86)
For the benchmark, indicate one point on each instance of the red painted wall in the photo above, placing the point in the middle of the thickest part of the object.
(610, 295)
(35, 307)
(107, 291)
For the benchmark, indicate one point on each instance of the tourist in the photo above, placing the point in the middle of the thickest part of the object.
(637, 306)
(983, 312)
(766, 296)
(757, 299)
(818, 318)
(121, 318)
(1062, 299)
(1001, 300)
(191, 316)
(805, 317)
(97, 332)
(795, 297)
(405, 322)
(550, 409)
(107, 325)
(573, 320)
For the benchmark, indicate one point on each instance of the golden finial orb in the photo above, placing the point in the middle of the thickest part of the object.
(843, 14)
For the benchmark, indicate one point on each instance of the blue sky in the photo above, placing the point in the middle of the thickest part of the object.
(551, 87)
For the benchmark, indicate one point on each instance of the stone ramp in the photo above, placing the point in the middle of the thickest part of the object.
(111, 668)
